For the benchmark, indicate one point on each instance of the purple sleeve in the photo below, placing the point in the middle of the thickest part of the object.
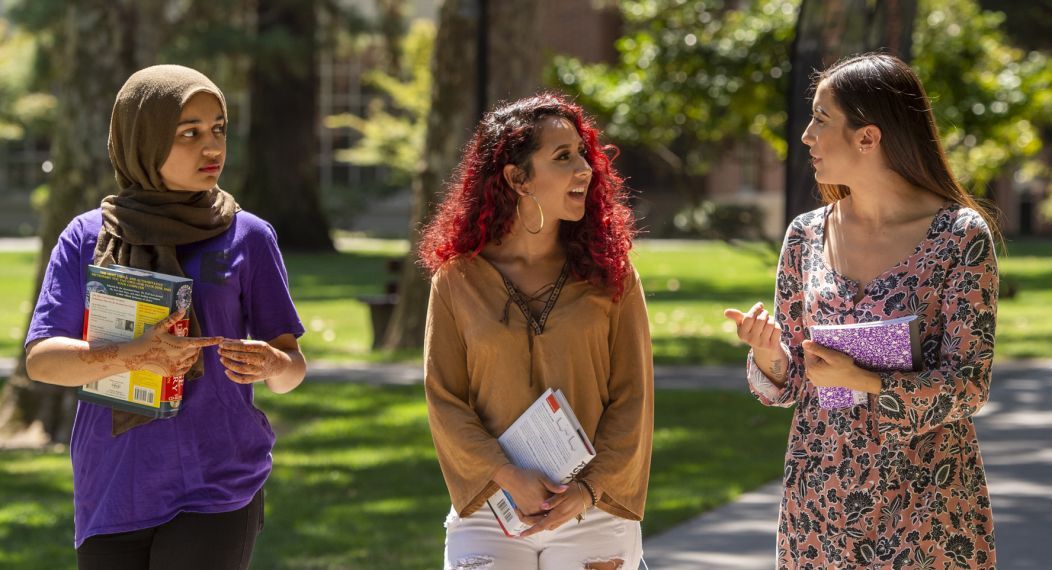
(60, 307)
(266, 300)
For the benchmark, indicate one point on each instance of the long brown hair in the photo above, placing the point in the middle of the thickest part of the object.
(880, 89)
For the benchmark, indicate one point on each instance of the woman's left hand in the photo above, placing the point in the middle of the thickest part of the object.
(572, 502)
(248, 361)
(830, 368)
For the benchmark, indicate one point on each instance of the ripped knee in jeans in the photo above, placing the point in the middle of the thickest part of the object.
(474, 563)
(612, 564)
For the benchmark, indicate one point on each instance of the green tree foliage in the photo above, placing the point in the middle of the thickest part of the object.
(692, 76)
(991, 100)
(392, 132)
(21, 108)
(210, 35)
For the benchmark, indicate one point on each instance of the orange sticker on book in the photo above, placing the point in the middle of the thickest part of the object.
(554, 403)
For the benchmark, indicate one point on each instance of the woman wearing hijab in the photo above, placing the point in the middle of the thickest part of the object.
(183, 492)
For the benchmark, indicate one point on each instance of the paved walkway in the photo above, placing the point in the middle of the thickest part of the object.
(19, 244)
(1015, 433)
(1015, 436)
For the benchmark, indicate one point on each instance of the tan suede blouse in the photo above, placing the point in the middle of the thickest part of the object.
(477, 364)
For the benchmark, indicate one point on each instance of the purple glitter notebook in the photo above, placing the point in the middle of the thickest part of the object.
(878, 345)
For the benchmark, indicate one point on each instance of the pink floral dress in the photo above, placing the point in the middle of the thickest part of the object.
(897, 482)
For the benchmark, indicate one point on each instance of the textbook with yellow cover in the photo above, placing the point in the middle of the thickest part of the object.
(121, 304)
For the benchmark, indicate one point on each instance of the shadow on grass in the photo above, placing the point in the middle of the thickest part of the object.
(36, 510)
(379, 356)
(1028, 281)
(696, 350)
(1023, 345)
(765, 252)
(712, 290)
(343, 275)
(356, 483)
(355, 480)
(1030, 247)
(304, 404)
(709, 447)
(355, 517)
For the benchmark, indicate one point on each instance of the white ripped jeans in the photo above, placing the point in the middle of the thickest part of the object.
(476, 542)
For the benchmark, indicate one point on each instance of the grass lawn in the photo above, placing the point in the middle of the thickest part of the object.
(356, 480)
(1024, 323)
(688, 285)
(355, 476)
(16, 285)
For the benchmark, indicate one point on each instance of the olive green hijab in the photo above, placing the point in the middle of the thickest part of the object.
(144, 222)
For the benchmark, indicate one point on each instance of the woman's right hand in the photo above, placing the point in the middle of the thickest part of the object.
(757, 328)
(161, 352)
(533, 493)
(66, 361)
(762, 332)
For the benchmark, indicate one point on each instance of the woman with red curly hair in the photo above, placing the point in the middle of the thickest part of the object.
(532, 289)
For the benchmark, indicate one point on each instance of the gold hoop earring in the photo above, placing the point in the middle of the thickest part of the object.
(539, 209)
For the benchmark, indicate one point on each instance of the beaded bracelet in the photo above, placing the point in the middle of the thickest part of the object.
(591, 491)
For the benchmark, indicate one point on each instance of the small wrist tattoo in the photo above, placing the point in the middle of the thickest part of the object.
(776, 368)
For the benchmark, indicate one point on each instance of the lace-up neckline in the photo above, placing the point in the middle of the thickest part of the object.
(534, 323)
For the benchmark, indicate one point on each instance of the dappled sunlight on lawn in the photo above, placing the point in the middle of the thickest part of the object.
(688, 285)
(36, 510)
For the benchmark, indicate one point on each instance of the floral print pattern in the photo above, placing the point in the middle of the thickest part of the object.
(898, 482)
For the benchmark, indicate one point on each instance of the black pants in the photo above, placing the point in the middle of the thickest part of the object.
(196, 541)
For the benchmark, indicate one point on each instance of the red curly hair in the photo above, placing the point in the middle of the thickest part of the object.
(479, 207)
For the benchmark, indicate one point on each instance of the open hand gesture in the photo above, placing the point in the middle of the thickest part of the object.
(248, 361)
(758, 328)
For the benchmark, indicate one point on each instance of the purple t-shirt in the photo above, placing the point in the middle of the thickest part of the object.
(215, 454)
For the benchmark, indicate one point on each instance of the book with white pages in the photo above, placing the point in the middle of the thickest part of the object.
(546, 438)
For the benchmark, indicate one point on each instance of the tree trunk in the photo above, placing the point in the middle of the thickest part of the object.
(513, 57)
(96, 58)
(281, 182)
(826, 31)
(511, 67)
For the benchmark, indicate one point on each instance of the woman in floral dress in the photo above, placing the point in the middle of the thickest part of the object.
(896, 481)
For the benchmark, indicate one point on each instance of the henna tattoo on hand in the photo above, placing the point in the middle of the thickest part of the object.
(100, 355)
(271, 367)
(254, 362)
(160, 355)
(155, 357)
